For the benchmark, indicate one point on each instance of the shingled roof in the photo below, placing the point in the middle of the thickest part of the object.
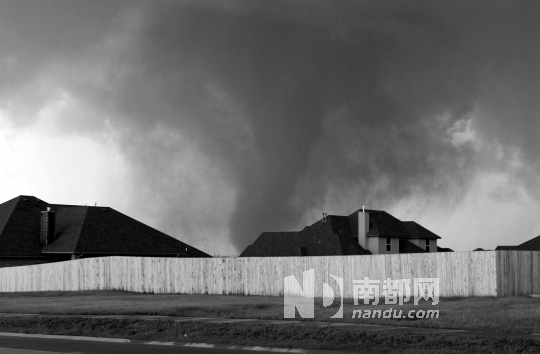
(409, 247)
(324, 238)
(442, 249)
(531, 245)
(83, 230)
(338, 235)
(19, 233)
(506, 248)
(418, 231)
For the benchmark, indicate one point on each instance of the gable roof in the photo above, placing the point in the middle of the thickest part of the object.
(82, 229)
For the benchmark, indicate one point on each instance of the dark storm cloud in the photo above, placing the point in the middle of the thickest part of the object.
(346, 96)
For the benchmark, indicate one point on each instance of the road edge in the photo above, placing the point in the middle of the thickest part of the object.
(175, 344)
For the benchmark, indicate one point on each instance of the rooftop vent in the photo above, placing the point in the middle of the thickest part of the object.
(324, 215)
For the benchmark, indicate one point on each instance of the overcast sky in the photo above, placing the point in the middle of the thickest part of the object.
(214, 121)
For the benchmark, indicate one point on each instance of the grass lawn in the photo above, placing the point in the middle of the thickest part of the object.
(513, 314)
(285, 336)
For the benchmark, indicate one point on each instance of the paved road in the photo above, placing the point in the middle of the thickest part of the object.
(29, 344)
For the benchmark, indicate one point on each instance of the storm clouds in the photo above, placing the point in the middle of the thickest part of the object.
(237, 117)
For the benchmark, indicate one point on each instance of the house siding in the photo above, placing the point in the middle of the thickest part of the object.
(373, 244)
(416, 241)
(432, 245)
(395, 245)
(421, 242)
(382, 245)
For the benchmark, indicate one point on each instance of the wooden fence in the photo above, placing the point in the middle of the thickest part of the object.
(487, 273)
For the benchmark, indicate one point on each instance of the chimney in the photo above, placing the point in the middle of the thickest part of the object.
(48, 223)
(363, 228)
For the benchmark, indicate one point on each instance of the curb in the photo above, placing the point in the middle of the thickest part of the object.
(175, 344)
(56, 336)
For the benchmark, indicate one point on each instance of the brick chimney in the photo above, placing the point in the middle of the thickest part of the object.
(363, 228)
(48, 223)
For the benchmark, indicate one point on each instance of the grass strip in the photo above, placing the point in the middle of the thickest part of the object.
(511, 315)
(285, 336)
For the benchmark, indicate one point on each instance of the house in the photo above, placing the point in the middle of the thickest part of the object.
(531, 245)
(442, 249)
(363, 232)
(34, 231)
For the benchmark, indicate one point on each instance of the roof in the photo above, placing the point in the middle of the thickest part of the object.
(271, 245)
(337, 235)
(531, 245)
(88, 230)
(69, 224)
(409, 247)
(415, 230)
(442, 249)
(324, 238)
(6, 209)
(19, 262)
(19, 232)
(81, 229)
(382, 224)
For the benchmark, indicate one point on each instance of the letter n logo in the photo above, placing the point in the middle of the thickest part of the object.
(301, 298)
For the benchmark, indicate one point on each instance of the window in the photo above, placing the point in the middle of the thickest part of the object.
(427, 246)
(303, 251)
(388, 244)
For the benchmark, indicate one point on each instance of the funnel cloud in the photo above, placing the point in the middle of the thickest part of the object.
(238, 117)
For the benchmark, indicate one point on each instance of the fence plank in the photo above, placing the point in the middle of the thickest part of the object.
(536, 273)
(489, 273)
